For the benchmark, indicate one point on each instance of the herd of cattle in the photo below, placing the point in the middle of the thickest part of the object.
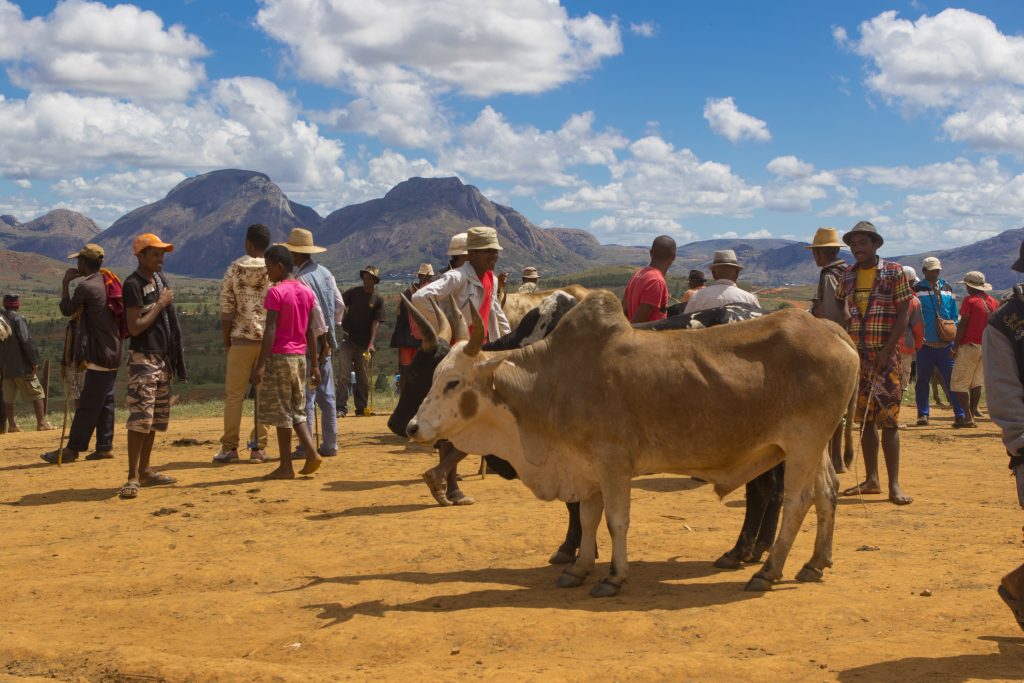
(575, 402)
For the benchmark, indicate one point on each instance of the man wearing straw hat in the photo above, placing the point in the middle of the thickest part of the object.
(530, 279)
(406, 335)
(968, 377)
(878, 303)
(364, 312)
(472, 284)
(725, 268)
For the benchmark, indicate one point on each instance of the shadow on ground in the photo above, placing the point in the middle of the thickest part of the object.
(1007, 664)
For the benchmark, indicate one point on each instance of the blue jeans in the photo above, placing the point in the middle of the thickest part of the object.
(929, 358)
(323, 395)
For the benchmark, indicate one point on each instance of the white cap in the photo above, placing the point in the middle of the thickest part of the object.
(910, 273)
(931, 263)
(457, 247)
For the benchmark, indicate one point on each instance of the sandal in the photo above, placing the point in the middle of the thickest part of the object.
(129, 490)
(99, 455)
(438, 487)
(45, 427)
(158, 480)
(51, 457)
(457, 497)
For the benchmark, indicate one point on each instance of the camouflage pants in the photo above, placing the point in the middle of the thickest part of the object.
(283, 392)
(149, 392)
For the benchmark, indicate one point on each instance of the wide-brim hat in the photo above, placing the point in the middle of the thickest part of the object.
(726, 257)
(530, 271)
(425, 269)
(90, 251)
(825, 237)
(975, 279)
(864, 228)
(457, 245)
(372, 271)
(300, 241)
(482, 237)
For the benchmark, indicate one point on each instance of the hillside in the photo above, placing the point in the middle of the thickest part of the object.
(55, 234)
(993, 257)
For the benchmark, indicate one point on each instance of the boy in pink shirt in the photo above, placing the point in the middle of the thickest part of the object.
(287, 352)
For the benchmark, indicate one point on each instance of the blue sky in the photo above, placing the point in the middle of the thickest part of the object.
(626, 119)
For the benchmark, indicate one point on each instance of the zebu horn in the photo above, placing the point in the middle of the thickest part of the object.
(426, 329)
(461, 330)
(476, 340)
(444, 328)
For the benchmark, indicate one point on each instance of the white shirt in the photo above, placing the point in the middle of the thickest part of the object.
(719, 294)
(464, 284)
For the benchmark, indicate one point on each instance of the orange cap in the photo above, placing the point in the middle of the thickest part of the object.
(148, 239)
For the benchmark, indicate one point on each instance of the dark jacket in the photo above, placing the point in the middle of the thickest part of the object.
(19, 352)
(403, 328)
(98, 338)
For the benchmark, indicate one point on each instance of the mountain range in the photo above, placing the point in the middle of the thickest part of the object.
(206, 216)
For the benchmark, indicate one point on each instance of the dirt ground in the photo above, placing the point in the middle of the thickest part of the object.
(356, 573)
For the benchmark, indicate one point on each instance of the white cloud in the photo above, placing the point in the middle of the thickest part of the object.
(89, 48)
(108, 196)
(790, 166)
(644, 29)
(23, 183)
(727, 120)
(753, 235)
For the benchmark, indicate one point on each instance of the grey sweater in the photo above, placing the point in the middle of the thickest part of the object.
(1003, 390)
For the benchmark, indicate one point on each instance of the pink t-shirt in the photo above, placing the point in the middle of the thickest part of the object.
(293, 301)
(647, 286)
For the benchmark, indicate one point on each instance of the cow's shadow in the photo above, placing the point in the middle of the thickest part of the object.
(1007, 664)
(654, 585)
(667, 484)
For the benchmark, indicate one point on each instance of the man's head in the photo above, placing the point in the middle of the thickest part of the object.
(825, 246)
(300, 244)
(864, 242)
(12, 302)
(911, 275)
(483, 248)
(278, 260)
(150, 250)
(975, 283)
(425, 274)
(696, 279)
(663, 252)
(257, 239)
(530, 274)
(370, 275)
(89, 259)
(932, 268)
(725, 265)
(457, 253)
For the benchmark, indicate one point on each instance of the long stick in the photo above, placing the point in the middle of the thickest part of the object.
(68, 367)
(46, 386)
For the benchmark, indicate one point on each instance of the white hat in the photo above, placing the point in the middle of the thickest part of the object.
(726, 257)
(911, 274)
(457, 247)
(426, 269)
(976, 280)
(931, 263)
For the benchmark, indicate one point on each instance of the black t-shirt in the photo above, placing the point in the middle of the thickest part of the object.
(361, 309)
(137, 292)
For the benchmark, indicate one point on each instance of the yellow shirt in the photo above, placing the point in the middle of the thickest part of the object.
(862, 292)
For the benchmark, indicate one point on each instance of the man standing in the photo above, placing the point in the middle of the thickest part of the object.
(21, 360)
(98, 348)
(472, 284)
(878, 303)
(694, 283)
(938, 307)
(242, 321)
(156, 358)
(530, 279)
(913, 338)
(725, 268)
(406, 337)
(1003, 362)
(332, 309)
(364, 312)
(829, 305)
(968, 377)
(646, 295)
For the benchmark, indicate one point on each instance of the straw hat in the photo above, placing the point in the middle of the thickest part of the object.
(300, 241)
(976, 280)
(931, 263)
(426, 269)
(482, 237)
(530, 272)
(372, 271)
(457, 247)
(825, 237)
(864, 228)
(726, 257)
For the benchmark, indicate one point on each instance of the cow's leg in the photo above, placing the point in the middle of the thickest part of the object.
(590, 516)
(826, 487)
(758, 494)
(848, 453)
(770, 520)
(801, 469)
(566, 552)
(616, 513)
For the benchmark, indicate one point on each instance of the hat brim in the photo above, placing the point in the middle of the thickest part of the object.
(163, 246)
(458, 253)
(375, 277)
(496, 247)
(874, 235)
(824, 246)
(984, 286)
(725, 265)
(312, 249)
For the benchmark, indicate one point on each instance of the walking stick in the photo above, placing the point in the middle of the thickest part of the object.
(371, 381)
(254, 442)
(46, 386)
(64, 383)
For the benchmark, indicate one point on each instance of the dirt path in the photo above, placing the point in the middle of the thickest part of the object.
(356, 573)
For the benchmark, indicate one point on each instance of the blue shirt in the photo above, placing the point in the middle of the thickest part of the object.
(947, 309)
(323, 285)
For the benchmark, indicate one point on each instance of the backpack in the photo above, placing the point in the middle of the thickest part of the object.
(115, 302)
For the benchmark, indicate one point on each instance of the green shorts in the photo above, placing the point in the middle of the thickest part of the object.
(28, 386)
(282, 396)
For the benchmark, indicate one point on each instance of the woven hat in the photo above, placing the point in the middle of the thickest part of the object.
(457, 247)
(482, 237)
(300, 241)
(372, 271)
(976, 280)
(825, 237)
(90, 251)
(426, 269)
(530, 271)
(147, 240)
(864, 228)
(931, 263)
(726, 257)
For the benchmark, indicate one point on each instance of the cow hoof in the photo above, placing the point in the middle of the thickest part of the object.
(809, 573)
(605, 589)
(758, 584)
(562, 557)
(728, 561)
(567, 580)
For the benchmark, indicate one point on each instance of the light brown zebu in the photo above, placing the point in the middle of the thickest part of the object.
(516, 305)
(596, 403)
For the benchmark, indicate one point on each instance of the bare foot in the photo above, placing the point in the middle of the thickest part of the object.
(280, 473)
(313, 463)
(13, 429)
(897, 497)
(865, 488)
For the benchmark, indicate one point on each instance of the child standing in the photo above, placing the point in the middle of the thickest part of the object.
(288, 350)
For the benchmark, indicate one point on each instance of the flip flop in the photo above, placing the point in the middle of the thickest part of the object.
(1016, 606)
(129, 490)
(97, 455)
(158, 480)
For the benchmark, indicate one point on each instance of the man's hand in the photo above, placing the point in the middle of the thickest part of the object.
(372, 348)
(502, 278)
(256, 377)
(166, 298)
(70, 274)
(314, 377)
(881, 360)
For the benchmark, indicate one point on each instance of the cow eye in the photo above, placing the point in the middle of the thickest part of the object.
(451, 385)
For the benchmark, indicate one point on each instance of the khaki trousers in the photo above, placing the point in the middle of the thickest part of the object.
(242, 359)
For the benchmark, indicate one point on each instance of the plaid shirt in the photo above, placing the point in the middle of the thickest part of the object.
(871, 331)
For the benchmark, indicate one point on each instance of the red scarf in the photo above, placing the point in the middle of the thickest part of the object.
(487, 280)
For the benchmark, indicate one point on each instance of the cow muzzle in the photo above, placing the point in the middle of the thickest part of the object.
(412, 430)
